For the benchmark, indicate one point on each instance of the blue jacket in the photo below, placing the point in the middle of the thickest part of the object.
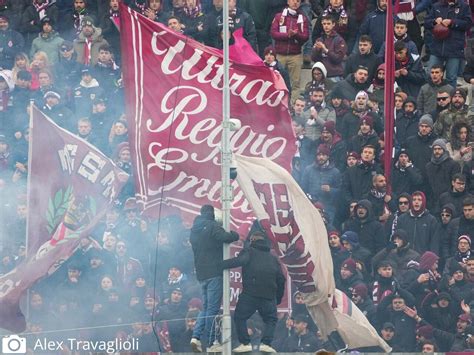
(460, 14)
(314, 176)
(374, 25)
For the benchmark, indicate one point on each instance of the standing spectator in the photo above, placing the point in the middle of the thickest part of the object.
(406, 124)
(357, 180)
(110, 24)
(259, 11)
(400, 29)
(365, 136)
(86, 92)
(447, 212)
(337, 148)
(304, 156)
(353, 250)
(365, 57)
(34, 14)
(427, 97)
(379, 198)
(409, 73)
(354, 83)
(374, 25)
(405, 176)
(48, 41)
(318, 79)
(263, 288)
(69, 70)
(458, 146)
(330, 49)
(443, 100)
(57, 111)
(403, 204)
(455, 195)
(419, 145)
(271, 61)
(11, 43)
(440, 171)
(70, 25)
(88, 42)
(317, 114)
(350, 276)
(207, 239)
(290, 31)
(154, 10)
(398, 253)
(107, 72)
(463, 225)
(420, 225)
(370, 230)
(360, 296)
(456, 112)
(322, 181)
(448, 42)
(302, 340)
(391, 310)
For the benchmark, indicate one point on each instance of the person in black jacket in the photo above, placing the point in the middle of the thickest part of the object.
(302, 340)
(370, 231)
(263, 288)
(455, 195)
(406, 124)
(207, 239)
(463, 225)
(406, 178)
(365, 57)
(409, 72)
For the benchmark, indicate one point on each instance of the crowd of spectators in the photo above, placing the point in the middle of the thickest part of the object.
(401, 252)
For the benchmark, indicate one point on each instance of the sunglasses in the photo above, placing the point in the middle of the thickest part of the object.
(403, 203)
(442, 98)
(445, 215)
(64, 49)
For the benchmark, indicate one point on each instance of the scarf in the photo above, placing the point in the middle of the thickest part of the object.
(380, 291)
(194, 12)
(87, 51)
(441, 159)
(336, 11)
(77, 16)
(41, 8)
(462, 257)
(378, 194)
(175, 281)
(140, 5)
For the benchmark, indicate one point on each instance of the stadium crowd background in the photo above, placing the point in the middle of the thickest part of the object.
(403, 256)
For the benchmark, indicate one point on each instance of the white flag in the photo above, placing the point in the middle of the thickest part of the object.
(299, 236)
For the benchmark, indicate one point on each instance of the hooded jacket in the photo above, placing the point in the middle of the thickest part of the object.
(369, 230)
(406, 179)
(97, 42)
(406, 124)
(419, 148)
(420, 228)
(261, 271)
(412, 82)
(49, 44)
(207, 239)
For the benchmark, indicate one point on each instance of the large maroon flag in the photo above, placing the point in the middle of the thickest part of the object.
(174, 99)
(71, 184)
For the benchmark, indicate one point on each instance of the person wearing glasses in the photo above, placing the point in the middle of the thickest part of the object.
(456, 194)
(427, 98)
(456, 112)
(403, 205)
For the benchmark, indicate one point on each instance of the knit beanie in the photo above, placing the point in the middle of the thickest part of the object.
(351, 237)
(363, 94)
(350, 265)
(440, 143)
(321, 67)
(360, 290)
(401, 234)
(426, 119)
(330, 126)
(426, 331)
(427, 260)
(461, 91)
(323, 149)
(368, 120)
(466, 238)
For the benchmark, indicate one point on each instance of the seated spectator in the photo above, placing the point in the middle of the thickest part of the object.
(330, 49)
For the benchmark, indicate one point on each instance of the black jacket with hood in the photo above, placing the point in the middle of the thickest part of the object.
(207, 239)
(261, 271)
(369, 230)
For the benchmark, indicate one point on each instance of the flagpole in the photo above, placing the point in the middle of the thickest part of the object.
(28, 189)
(226, 192)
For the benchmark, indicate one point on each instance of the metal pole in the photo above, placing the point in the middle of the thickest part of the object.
(226, 191)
